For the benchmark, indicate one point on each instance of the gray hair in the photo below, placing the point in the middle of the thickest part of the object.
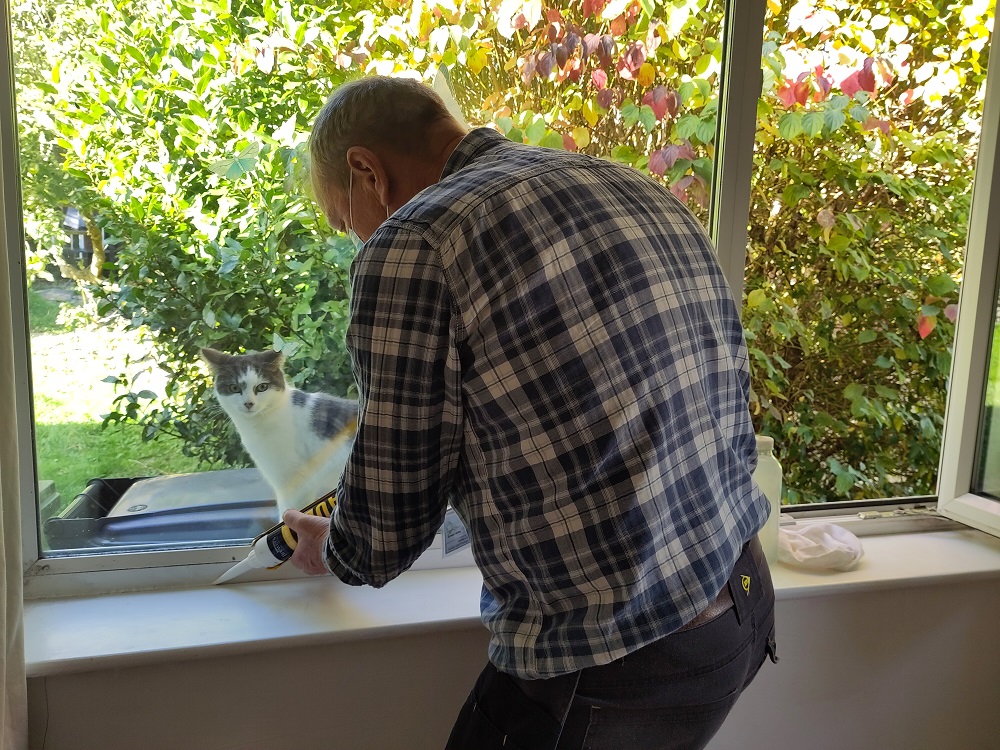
(374, 111)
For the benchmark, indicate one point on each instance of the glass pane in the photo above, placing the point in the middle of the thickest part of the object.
(868, 127)
(162, 147)
(987, 475)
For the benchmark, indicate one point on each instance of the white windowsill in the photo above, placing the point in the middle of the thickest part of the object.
(119, 630)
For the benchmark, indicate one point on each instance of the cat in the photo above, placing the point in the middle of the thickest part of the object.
(299, 441)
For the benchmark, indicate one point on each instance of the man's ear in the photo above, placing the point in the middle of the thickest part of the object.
(369, 172)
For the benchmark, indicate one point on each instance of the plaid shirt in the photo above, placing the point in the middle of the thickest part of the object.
(546, 341)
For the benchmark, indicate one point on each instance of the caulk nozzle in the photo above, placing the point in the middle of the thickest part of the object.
(237, 570)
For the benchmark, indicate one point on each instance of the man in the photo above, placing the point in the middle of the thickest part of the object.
(546, 341)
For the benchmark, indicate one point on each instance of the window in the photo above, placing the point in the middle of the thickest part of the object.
(968, 484)
(869, 124)
(162, 152)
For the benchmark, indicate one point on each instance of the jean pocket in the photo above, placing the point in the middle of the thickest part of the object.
(662, 728)
(478, 732)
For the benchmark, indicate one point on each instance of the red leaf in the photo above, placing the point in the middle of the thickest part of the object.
(873, 122)
(592, 7)
(823, 84)
(951, 312)
(663, 101)
(528, 70)
(925, 325)
(553, 15)
(605, 97)
(568, 143)
(572, 41)
(802, 92)
(657, 162)
(599, 78)
(699, 191)
(665, 158)
(907, 97)
(544, 63)
(850, 85)
(825, 218)
(886, 72)
(562, 55)
(606, 49)
(590, 44)
(631, 61)
(618, 27)
(866, 79)
(553, 32)
(679, 188)
(787, 94)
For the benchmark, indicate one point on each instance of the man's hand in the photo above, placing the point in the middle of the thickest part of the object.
(312, 532)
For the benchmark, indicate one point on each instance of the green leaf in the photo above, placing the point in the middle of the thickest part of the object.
(198, 108)
(853, 392)
(866, 337)
(845, 480)
(834, 118)
(941, 285)
(687, 126)
(756, 298)
(790, 125)
(630, 114)
(241, 164)
(625, 154)
(535, 130)
(838, 242)
(813, 122)
(859, 113)
(208, 316)
(889, 394)
(647, 118)
(884, 362)
(551, 139)
(706, 130)
(148, 395)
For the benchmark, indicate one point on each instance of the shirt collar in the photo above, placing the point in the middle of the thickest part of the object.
(475, 143)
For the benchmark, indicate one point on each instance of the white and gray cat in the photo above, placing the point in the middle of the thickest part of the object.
(299, 441)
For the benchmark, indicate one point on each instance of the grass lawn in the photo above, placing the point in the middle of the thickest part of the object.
(69, 359)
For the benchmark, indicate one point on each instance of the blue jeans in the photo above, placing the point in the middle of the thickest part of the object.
(673, 694)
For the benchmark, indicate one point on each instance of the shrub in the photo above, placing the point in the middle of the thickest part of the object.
(183, 129)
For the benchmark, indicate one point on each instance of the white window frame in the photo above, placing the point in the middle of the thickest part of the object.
(729, 216)
(974, 332)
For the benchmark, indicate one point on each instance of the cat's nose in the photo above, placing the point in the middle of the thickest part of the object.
(248, 405)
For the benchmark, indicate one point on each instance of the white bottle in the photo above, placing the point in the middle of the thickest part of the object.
(768, 478)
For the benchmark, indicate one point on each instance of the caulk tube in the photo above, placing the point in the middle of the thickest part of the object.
(278, 543)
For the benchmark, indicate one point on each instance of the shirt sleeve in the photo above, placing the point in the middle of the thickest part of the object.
(401, 337)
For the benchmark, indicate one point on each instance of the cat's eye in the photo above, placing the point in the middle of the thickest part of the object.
(261, 388)
(234, 388)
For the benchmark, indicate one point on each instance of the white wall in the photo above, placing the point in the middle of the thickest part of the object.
(906, 669)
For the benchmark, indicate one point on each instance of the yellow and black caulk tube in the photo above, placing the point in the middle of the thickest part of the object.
(278, 543)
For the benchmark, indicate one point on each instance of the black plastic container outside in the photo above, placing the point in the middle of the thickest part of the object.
(97, 521)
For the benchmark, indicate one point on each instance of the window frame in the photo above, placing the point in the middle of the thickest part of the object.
(739, 92)
(977, 306)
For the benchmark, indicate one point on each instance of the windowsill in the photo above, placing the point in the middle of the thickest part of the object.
(122, 630)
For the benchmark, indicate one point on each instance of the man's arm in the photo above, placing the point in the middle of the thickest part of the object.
(394, 492)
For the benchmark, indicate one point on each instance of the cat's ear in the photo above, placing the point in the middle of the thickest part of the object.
(213, 356)
(272, 357)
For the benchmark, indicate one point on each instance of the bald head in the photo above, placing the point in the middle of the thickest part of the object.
(379, 113)
(376, 143)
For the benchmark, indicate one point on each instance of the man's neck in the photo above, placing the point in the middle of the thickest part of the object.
(414, 173)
